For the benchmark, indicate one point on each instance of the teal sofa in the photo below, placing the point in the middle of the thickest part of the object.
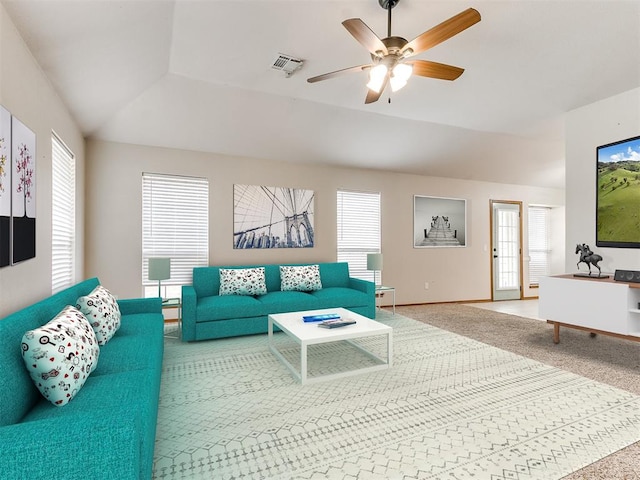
(108, 430)
(208, 315)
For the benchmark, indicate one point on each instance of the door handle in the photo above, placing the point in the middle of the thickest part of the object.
(495, 256)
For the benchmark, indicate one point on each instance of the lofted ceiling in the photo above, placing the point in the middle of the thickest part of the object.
(197, 75)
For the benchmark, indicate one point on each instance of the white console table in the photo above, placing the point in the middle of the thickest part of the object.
(602, 306)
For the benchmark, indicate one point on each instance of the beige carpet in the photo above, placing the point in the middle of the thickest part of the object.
(606, 359)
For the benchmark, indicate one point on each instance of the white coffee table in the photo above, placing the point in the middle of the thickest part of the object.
(306, 334)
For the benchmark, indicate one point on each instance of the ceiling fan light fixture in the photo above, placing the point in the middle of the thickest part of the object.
(400, 74)
(376, 77)
(389, 55)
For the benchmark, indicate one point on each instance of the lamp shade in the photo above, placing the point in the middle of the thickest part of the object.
(374, 261)
(159, 268)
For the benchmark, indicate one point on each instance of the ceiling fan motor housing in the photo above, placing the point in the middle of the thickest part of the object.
(394, 51)
(387, 4)
(394, 44)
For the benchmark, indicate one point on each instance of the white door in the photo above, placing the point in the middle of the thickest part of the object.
(506, 246)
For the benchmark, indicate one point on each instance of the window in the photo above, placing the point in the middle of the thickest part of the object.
(63, 215)
(358, 230)
(539, 244)
(175, 224)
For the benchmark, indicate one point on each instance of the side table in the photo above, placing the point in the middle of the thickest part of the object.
(173, 303)
(381, 290)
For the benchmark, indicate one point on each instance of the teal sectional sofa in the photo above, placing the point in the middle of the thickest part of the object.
(108, 429)
(207, 315)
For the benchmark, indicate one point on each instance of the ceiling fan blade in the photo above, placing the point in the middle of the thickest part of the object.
(443, 31)
(363, 34)
(374, 96)
(329, 75)
(426, 68)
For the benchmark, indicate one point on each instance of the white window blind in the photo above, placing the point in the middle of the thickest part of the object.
(63, 215)
(539, 243)
(358, 230)
(175, 224)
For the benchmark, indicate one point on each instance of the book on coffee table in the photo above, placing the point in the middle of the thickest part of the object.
(336, 323)
(321, 318)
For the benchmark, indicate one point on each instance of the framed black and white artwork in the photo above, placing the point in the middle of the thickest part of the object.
(439, 222)
(272, 217)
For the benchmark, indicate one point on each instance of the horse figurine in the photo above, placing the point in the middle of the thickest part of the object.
(588, 257)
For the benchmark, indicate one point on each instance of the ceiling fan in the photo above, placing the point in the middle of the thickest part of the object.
(389, 55)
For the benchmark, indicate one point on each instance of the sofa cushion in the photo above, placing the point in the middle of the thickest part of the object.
(121, 397)
(124, 354)
(101, 309)
(290, 301)
(334, 274)
(242, 281)
(303, 278)
(141, 324)
(228, 306)
(60, 355)
(344, 297)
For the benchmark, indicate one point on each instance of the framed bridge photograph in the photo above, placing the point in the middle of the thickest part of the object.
(439, 222)
(272, 217)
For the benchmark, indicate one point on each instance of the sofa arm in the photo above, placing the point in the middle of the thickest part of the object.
(131, 306)
(363, 285)
(87, 447)
(189, 303)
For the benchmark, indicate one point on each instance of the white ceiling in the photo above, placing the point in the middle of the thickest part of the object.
(197, 75)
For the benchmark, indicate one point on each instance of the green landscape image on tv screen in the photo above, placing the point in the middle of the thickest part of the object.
(618, 196)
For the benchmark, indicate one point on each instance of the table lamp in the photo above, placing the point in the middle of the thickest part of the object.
(374, 262)
(159, 269)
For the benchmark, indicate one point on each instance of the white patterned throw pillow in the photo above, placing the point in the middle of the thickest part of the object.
(305, 278)
(242, 281)
(101, 309)
(60, 355)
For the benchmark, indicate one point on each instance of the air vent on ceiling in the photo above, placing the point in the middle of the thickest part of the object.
(287, 64)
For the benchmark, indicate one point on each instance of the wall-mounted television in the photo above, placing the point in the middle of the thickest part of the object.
(618, 194)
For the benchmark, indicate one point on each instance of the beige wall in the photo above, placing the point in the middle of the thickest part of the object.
(27, 94)
(113, 220)
(607, 121)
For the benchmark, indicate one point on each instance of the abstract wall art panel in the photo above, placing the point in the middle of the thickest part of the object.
(23, 191)
(272, 217)
(5, 187)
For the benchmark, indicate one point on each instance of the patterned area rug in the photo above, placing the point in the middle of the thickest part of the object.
(449, 408)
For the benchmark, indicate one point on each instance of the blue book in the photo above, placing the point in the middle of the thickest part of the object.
(321, 318)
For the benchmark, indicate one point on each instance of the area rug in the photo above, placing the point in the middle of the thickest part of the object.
(449, 408)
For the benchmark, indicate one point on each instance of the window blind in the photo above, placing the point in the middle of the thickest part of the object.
(63, 215)
(539, 243)
(358, 216)
(175, 224)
